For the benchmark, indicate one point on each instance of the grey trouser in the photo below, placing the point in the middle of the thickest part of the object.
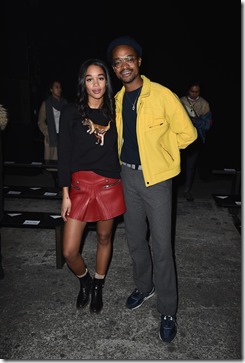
(155, 259)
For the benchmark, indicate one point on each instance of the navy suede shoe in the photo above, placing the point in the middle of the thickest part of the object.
(168, 328)
(136, 299)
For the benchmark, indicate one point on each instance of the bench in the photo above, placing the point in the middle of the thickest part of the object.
(235, 179)
(233, 198)
(31, 192)
(228, 200)
(31, 165)
(45, 220)
(50, 166)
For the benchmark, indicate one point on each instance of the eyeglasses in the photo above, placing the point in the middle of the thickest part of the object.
(117, 63)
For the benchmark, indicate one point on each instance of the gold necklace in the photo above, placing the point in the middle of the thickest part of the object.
(134, 104)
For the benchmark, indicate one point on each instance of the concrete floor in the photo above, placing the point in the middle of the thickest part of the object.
(38, 318)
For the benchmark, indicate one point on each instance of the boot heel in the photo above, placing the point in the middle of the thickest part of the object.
(96, 304)
(85, 287)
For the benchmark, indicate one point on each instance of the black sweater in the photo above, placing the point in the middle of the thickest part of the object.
(79, 151)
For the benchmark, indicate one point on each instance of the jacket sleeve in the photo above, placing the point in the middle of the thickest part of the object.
(42, 124)
(204, 122)
(181, 124)
(3, 117)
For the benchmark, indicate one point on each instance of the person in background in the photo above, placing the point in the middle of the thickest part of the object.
(152, 127)
(89, 174)
(3, 124)
(199, 111)
(48, 120)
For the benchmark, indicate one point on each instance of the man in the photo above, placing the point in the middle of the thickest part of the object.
(199, 111)
(152, 127)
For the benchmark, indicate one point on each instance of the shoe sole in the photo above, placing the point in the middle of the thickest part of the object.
(82, 307)
(167, 340)
(93, 312)
(146, 298)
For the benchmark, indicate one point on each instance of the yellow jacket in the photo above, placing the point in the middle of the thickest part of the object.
(163, 127)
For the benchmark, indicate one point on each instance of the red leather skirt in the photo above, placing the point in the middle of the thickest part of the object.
(95, 197)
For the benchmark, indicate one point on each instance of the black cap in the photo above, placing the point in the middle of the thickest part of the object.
(125, 40)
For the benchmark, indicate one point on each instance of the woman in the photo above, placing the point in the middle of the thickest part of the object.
(199, 111)
(89, 174)
(48, 120)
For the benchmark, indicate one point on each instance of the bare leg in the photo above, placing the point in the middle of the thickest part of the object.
(73, 232)
(104, 245)
(103, 255)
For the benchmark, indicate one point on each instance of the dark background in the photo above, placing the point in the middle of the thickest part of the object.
(45, 40)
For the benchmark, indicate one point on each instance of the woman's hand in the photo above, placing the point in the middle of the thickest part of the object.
(66, 204)
(65, 208)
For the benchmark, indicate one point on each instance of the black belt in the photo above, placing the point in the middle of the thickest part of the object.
(133, 166)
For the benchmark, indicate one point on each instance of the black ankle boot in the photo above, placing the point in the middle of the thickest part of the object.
(85, 287)
(96, 304)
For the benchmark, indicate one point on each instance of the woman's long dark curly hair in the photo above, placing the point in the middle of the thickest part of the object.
(108, 106)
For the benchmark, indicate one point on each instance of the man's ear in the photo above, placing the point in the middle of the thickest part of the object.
(139, 61)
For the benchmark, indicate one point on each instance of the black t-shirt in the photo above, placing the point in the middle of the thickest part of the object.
(130, 149)
(79, 150)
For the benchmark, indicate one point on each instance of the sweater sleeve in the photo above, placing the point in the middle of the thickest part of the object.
(65, 147)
